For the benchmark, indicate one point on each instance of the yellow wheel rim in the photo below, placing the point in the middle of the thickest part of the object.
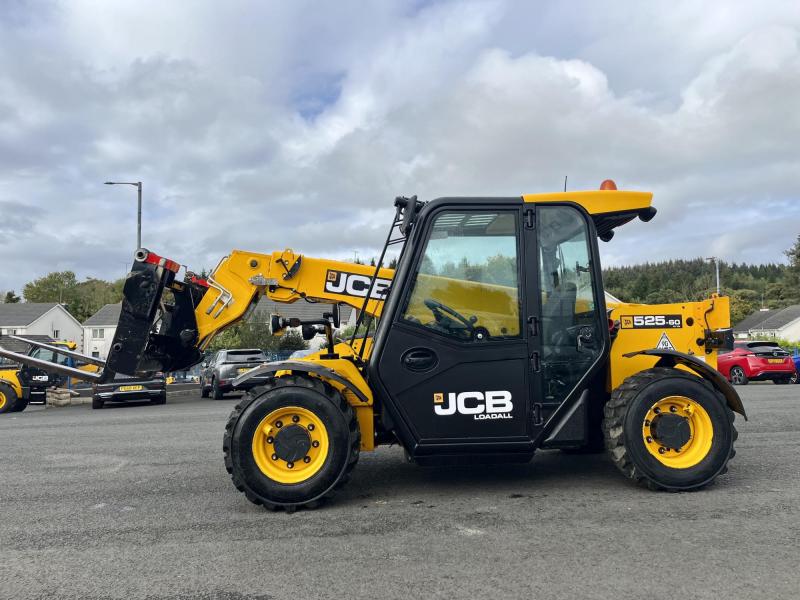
(2, 400)
(290, 444)
(675, 413)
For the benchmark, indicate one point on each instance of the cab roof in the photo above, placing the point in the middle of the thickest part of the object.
(610, 208)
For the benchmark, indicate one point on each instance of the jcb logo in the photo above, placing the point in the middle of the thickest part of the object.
(482, 405)
(40, 378)
(353, 284)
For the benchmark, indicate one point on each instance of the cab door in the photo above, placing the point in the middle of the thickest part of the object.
(573, 327)
(455, 364)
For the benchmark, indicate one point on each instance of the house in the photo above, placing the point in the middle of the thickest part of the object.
(99, 330)
(40, 318)
(781, 323)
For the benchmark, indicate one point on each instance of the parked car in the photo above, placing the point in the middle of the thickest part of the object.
(224, 366)
(125, 388)
(756, 361)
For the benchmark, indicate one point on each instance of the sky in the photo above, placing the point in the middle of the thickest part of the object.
(266, 125)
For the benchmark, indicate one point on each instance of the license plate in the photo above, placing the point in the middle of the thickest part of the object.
(130, 388)
(776, 361)
(244, 370)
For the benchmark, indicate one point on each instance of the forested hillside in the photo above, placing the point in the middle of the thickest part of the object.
(678, 280)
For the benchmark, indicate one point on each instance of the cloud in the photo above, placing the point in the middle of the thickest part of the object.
(262, 127)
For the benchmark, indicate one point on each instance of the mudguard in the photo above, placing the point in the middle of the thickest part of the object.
(672, 358)
(306, 367)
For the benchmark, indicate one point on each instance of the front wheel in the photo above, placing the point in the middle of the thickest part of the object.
(8, 398)
(291, 443)
(794, 378)
(669, 429)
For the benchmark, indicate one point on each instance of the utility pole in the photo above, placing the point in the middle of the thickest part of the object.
(716, 267)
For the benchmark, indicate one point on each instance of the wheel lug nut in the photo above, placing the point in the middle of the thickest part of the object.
(270, 439)
(278, 424)
(307, 459)
(649, 440)
(647, 422)
(661, 450)
(311, 427)
(657, 411)
(295, 419)
(315, 443)
(274, 457)
(673, 409)
(290, 465)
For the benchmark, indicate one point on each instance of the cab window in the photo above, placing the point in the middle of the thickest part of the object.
(50, 356)
(466, 286)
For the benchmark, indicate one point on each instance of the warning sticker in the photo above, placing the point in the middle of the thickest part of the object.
(664, 343)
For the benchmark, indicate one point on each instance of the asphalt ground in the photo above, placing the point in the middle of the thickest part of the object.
(134, 502)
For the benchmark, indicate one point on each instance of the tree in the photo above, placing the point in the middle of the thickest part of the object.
(11, 297)
(83, 299)
(58, 286)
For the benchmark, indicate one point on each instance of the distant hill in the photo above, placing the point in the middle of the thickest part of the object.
(684, 280)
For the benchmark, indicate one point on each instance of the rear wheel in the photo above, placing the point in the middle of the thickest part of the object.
(204, 391)
(162, 399)
(738, 376)
(794, 378)
(9, 399)
(669, 430)
(215, 391)
(291, 443)
(97, 403)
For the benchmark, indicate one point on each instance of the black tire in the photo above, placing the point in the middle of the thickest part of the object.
(162, 399)
(784, 381)
(204, 391)
(216, 393)
(622, 426)
(22, 404)
(10, 399)
(738, 376)
(794, 378)
(344, 439)
(97, 403)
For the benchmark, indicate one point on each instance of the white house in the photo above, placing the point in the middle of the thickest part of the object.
(40, 318)
(99, 330)
(781, 323)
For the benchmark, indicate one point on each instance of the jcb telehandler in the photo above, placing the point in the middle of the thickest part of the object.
(20, 386)
(493, 339)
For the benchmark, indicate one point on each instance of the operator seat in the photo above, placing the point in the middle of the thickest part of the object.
(558, 314)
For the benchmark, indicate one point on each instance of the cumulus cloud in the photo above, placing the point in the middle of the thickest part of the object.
(261, 127)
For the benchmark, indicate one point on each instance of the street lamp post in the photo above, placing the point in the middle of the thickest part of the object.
(716, 265)
(138, 185)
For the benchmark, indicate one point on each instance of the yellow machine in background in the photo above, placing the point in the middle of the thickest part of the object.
(492, 339)
(18, 386)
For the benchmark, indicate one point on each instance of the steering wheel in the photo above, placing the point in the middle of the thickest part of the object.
(437, 308)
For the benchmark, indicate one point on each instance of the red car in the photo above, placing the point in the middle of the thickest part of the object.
(756, 361)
